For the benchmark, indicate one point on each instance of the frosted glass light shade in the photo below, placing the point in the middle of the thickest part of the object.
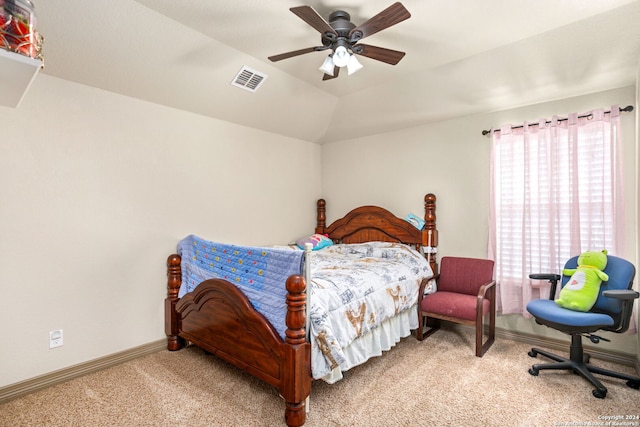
(341, 56)
(353, 65)
(327, 66)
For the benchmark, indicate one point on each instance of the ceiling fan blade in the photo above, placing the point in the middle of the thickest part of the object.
(380, 53)
(291, 54)
(336, 71)
(311, 17)
(390, 16)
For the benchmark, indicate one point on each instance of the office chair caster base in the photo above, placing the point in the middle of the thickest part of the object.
(534, 352)
(634, 384)
(533, 371)
(600, 394)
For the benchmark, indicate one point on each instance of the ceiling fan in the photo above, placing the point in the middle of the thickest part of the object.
(343, 38)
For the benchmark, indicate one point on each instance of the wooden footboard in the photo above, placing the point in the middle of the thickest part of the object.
(219, 318)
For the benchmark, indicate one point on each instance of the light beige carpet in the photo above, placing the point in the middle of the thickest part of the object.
(437, 382)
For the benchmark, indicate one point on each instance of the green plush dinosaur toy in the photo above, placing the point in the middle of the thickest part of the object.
(581, 291)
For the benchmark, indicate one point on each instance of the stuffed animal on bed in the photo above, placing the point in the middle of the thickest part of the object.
(581, 291)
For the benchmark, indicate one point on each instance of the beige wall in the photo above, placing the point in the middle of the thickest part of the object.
(97, 188)
(96, 191)
(451, 159)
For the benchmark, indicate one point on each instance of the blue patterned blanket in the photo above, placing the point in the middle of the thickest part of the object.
(259, 272)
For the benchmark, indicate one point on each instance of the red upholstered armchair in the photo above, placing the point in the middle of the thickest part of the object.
(466, 292)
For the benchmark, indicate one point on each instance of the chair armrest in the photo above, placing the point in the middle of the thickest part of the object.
(424, 284)
(482, 292)
(490, 288)
(545, 276)
(626, 297)
(621, 294)
(552, 278)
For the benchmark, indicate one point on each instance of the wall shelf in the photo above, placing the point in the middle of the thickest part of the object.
(16, 75)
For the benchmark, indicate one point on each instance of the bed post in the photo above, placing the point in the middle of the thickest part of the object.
(430, 232)
(321, 216)
(171, 317)
(296, 381)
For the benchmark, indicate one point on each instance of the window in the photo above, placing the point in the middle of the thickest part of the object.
(556, 191)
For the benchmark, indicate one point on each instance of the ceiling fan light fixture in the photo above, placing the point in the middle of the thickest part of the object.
(341, 56)
(342, 36)
(327, 66)
(353, 65)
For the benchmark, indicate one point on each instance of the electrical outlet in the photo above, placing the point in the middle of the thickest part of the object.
(55, 338)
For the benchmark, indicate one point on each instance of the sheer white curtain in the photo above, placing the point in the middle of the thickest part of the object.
(556, 191)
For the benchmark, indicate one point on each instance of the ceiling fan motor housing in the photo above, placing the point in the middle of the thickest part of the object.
(340, 21)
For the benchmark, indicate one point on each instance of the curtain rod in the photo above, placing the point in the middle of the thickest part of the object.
(627, 109)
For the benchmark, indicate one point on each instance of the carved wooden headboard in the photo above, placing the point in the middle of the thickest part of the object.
(373, 223)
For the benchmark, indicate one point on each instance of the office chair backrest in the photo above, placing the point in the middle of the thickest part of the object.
(464, 275)
(621, 274)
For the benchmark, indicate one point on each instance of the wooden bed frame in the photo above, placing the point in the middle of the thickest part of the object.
(219, 318)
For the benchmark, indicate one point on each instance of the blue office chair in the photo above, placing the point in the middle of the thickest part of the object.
(611, 312)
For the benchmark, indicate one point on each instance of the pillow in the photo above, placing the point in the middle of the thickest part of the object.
(318, 241)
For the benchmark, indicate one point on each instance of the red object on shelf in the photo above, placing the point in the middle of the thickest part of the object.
(17, 28)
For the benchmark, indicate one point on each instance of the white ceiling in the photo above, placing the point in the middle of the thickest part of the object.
(462, 57)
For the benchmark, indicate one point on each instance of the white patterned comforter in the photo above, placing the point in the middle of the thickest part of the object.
(354, 288)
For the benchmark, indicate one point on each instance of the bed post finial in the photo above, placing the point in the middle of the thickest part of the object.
(321, 223)
(430, 211)
(430, 229)
(174, 276)
(171, 316)
(296, 310)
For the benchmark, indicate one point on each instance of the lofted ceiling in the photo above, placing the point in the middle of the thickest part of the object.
(462, 57)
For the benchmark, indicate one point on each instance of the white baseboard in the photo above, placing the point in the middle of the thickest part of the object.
(22, 388)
